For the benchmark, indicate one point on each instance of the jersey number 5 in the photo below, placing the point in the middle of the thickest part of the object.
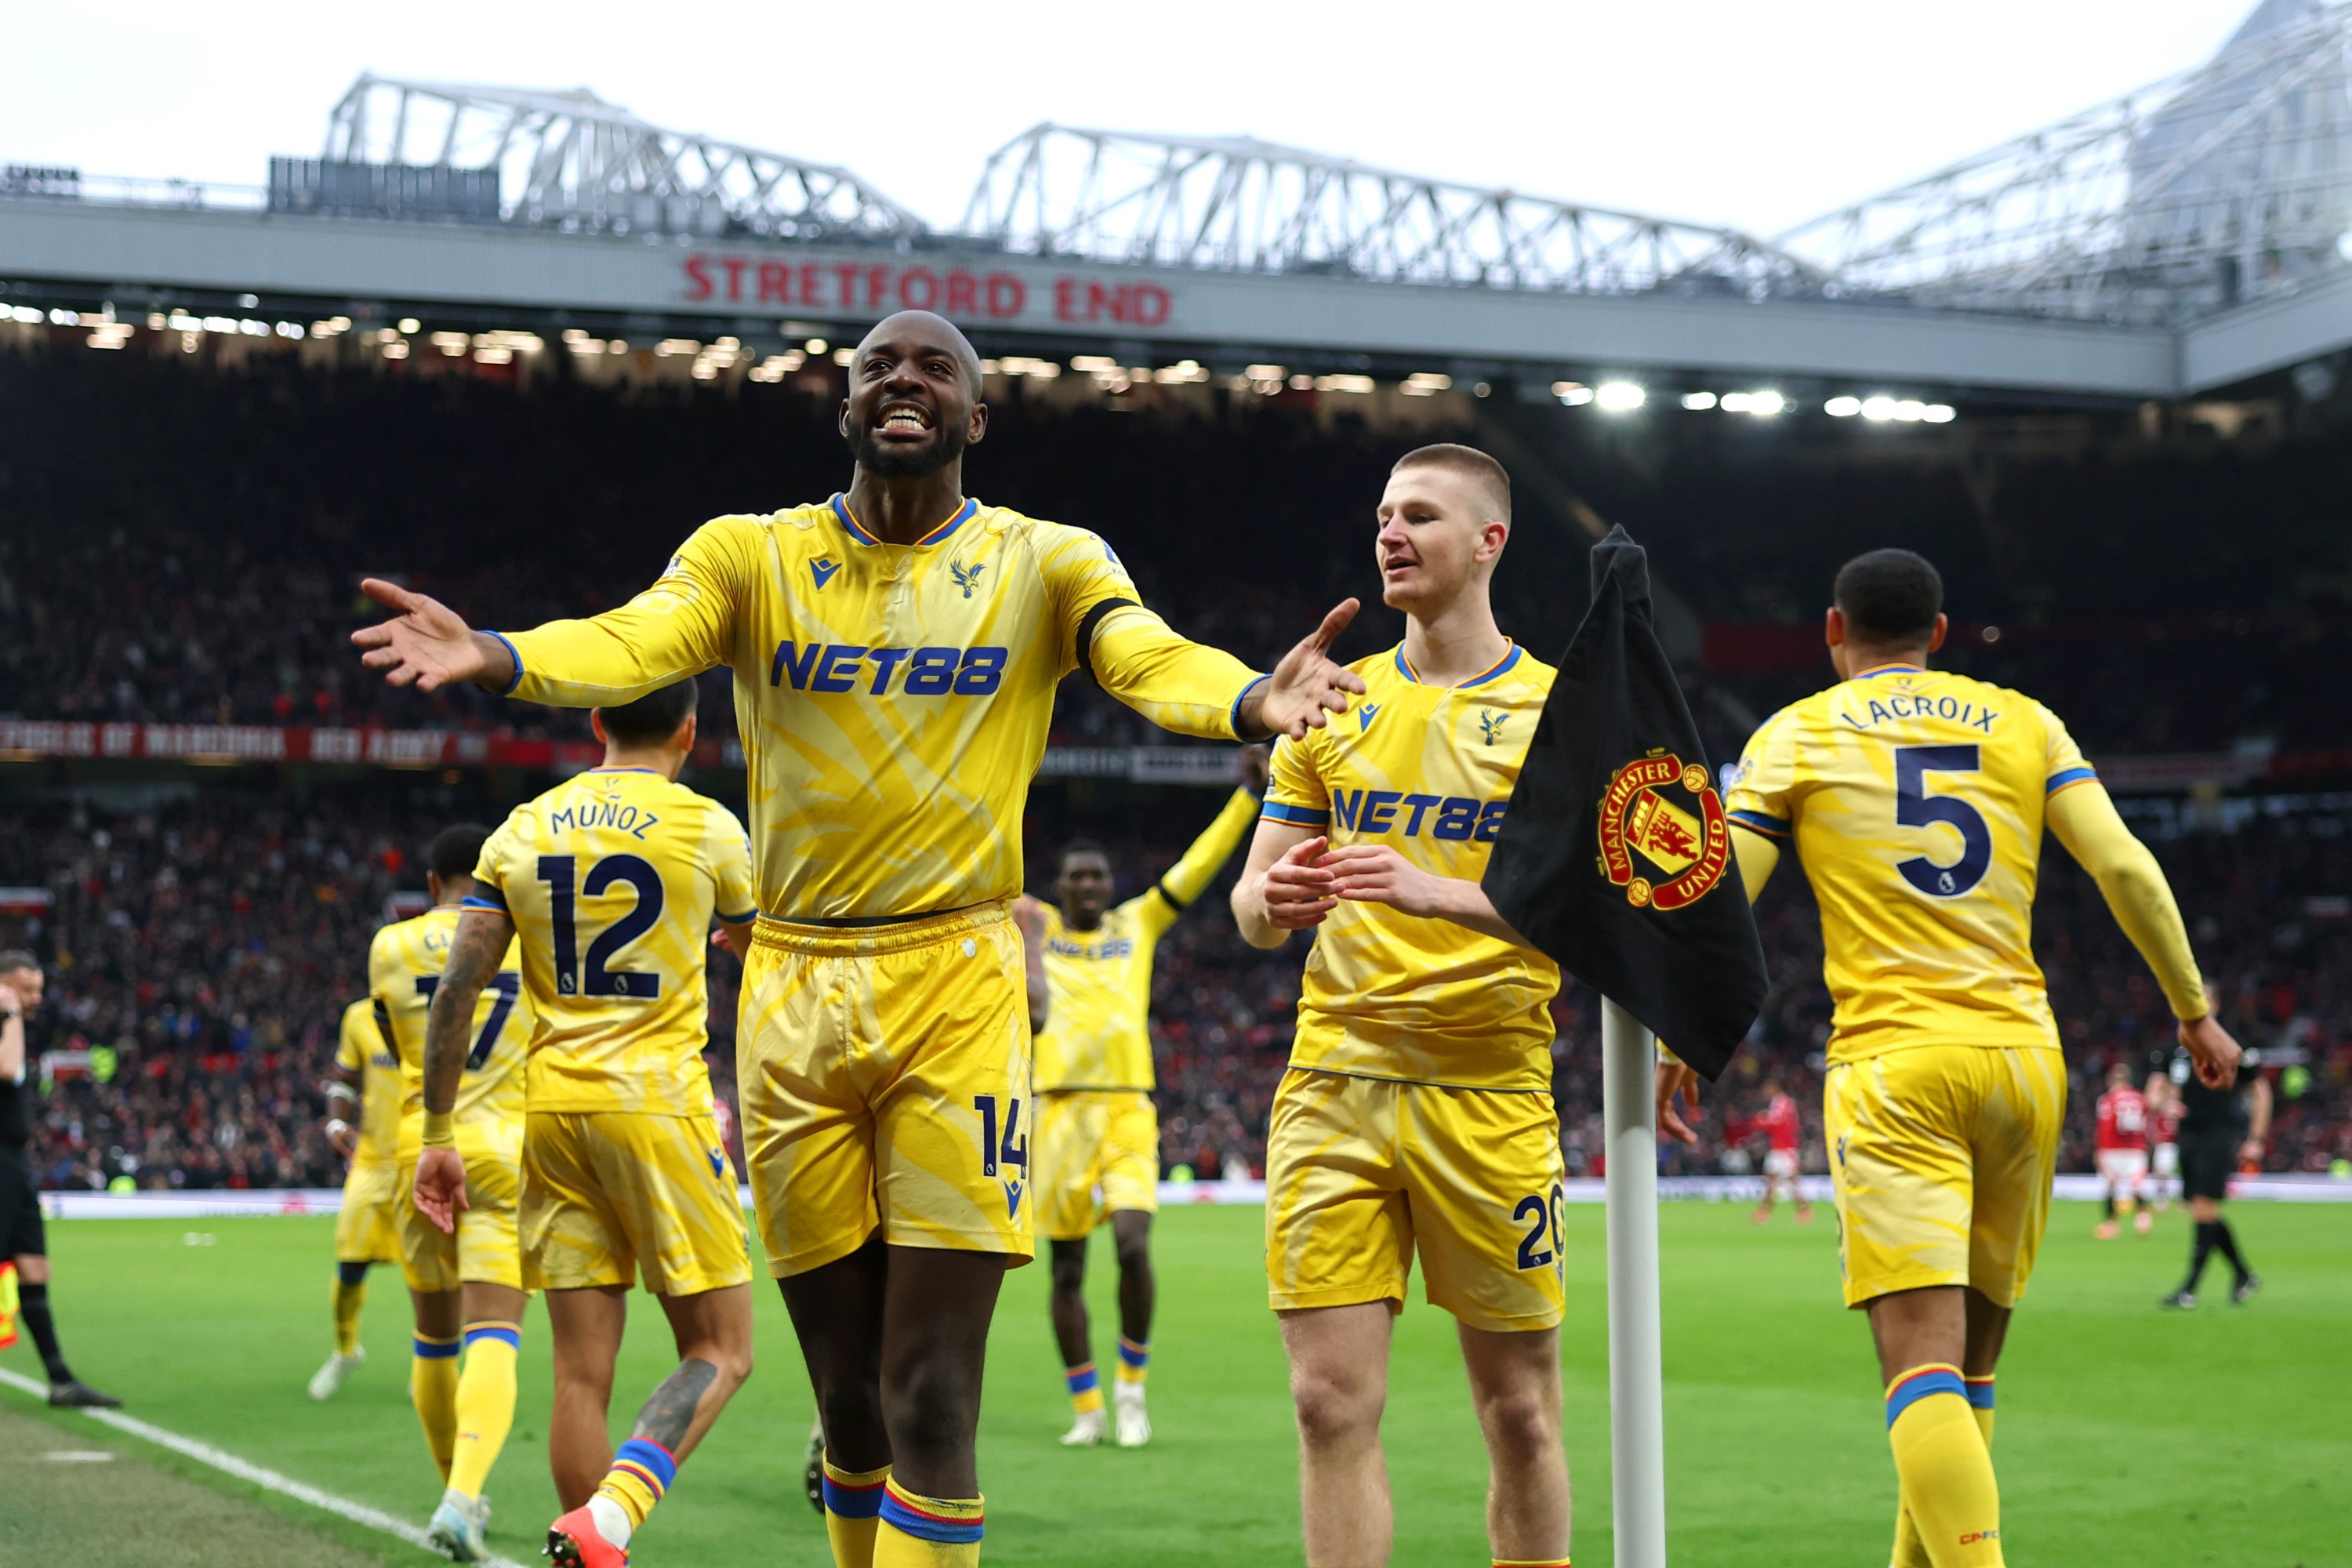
(1914, 807)
(559, 872)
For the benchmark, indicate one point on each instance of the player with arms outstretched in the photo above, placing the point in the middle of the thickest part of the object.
(894, 650)
(1784, 1136)
(610, 881)
(1096, 1150)
(1917, 800)
(367, 1134)
(1417, 1114)
(2122, 1152)
(464, 1271)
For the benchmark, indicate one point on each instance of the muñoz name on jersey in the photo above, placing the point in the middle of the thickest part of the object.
(1427, 769)
(611, 879)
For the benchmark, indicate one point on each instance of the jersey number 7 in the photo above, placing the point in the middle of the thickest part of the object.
(506, 988)
(560, 874)
(1914, 807)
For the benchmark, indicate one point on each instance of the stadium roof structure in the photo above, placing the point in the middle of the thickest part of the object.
(1240, 205)
(2191, 236)
(2224, 184)
(568, 160)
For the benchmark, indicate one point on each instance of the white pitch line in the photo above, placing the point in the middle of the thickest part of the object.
(267, 1479)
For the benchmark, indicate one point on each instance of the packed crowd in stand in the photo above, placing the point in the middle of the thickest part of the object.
(202, 566)
(203, 949)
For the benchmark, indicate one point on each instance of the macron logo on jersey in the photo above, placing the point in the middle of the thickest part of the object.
(1365, 713)
(823, 571)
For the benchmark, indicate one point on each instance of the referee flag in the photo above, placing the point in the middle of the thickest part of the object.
(1615, 856)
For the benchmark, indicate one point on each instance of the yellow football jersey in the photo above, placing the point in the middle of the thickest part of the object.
(612, 878)
(1915, 799)
(893, 700)
(1098, 1031)
(1428, 771)
(404, 965)
(365, 1048)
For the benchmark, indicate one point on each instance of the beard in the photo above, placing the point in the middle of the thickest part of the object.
(887, 463)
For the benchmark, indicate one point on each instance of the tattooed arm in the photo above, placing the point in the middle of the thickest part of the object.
(482, 939)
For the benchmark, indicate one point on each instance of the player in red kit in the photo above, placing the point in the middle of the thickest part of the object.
(2123, 1153)
(1783, 1160)
(2164, 1138)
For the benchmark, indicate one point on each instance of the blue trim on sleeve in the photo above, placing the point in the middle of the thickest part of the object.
(2060, 780)
(1761, 822)
(1234, 719)
(1304, 816)
(475, 901)
(746, 918)
(513, 653)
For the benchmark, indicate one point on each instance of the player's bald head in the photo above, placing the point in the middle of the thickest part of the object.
(914, 331)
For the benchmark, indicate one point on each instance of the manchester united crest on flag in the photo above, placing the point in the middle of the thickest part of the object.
(1660, 853)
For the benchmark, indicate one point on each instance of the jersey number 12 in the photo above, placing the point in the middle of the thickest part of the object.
(564, 887)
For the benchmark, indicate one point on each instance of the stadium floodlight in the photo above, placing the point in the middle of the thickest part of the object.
(1842, 407)
(1574, 393)
(2228, 183)
(1238, 204)
(1762, 405)
(1618, 396)
(1698, 402)
(568, 160)
(1940, 413)
(1878, 410)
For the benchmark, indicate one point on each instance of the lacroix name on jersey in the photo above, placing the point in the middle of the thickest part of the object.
(1450, 817)
(919, 671)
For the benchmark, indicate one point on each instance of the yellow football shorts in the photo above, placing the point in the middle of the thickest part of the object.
(1360, 1173)
(1942, 1157)
(883, 1073)
(366, 1230)
(1096, 1151)
(484, 1249)
(608, 1195)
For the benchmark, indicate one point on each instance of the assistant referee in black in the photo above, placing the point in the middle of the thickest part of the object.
(2220, 1129)
(22, 1235)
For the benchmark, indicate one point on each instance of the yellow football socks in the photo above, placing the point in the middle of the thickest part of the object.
(1530, 1562)
(1980, 1389)
(641, 1476)
(433, 1387)
(351, 1296)
(485, 1403)
(1134, 1362)
(1944, 1467)
(1086, 1387)
(853, 1513)
(927, 1531)
(1910, 1551)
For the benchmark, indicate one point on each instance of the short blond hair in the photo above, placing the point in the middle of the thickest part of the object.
(1471, 463)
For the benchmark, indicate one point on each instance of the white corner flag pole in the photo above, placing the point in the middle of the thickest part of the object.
(1637, 1419)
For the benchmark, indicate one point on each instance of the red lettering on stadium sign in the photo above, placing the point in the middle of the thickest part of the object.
(954, 292)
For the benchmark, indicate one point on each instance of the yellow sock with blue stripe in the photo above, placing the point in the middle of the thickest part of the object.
(486, 1403)
(1086, 1388)
(1910, 1551)
(432, 1388)
(640, 1477)
(1530, 1562)
(1945, 1467)
(350, 1297)
(927, 1531)
(1134, 1362)
(853, 1513)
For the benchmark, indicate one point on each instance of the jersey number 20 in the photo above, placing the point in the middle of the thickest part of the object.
(1914, 807)
(559, 872)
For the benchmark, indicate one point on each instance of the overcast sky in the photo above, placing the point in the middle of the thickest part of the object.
(1757, 113)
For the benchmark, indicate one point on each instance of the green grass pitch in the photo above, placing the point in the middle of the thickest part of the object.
(2125, 1434)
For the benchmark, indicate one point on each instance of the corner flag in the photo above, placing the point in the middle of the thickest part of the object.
(1615, 857)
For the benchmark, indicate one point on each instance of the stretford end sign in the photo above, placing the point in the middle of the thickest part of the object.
(877, 288)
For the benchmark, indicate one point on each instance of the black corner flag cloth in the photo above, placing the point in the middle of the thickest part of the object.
(1615, 856)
